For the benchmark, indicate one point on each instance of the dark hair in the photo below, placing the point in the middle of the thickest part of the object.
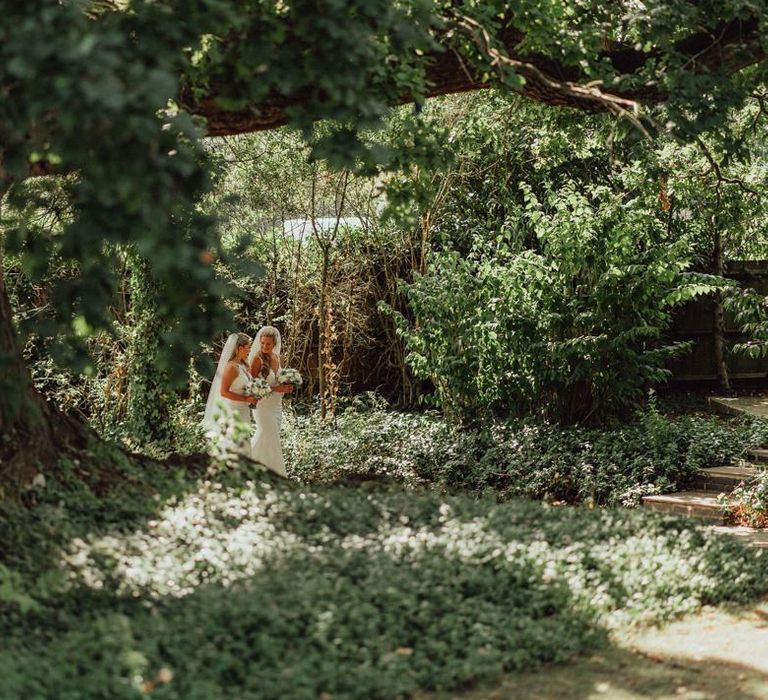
(266, 364)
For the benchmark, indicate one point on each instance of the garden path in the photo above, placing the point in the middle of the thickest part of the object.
(716, 654)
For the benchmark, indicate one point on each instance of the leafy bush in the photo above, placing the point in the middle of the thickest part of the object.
(366, 438)
(110, 395)
(569, 330)
(251, 587)
(651, 455)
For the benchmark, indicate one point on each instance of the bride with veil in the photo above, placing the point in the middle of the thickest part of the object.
(227, 417)
(264, 361)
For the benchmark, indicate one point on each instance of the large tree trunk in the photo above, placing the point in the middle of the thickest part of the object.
(25, 431)
(32, 431)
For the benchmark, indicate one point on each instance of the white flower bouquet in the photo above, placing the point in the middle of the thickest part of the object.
(288, 375)
(258, 388)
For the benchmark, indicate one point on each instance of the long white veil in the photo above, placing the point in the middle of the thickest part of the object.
(214, 395)
(256, 346)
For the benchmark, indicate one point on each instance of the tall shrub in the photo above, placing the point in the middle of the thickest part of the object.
(570, 330)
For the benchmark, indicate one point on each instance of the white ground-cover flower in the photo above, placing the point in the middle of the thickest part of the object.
(214, 535)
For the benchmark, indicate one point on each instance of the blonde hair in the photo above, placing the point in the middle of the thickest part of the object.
(242, 340)
(269, 334)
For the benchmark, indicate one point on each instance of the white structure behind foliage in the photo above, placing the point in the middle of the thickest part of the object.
(303, 229)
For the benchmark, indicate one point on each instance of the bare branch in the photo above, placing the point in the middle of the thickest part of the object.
(615, 104)
(718, 172)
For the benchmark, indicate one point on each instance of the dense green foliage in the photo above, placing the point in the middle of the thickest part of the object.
(655, 452)
(571, 331)
(514, 298)
(241, 584)
(127, 393)
(108, 70)
(520, 256)
(559, 256)
(138, 176)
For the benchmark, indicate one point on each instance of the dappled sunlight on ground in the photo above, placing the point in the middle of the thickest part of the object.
(212, 535)
(717, 654)
(717, 636)
(376, 592)
(222, 534)
(624, 674)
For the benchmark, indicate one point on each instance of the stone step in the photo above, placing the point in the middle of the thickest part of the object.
(748, 535)
(723, 479)
(702, 505)
(739, 405)
(760, 455)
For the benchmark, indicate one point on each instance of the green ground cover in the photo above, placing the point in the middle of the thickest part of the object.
(180, 583)
(660, 450)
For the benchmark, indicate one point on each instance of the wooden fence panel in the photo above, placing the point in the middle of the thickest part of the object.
(694, 321)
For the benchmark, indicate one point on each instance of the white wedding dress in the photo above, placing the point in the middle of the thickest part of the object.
(228, 412)
(268, 415)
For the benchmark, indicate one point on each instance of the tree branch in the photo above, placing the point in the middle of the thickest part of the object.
(725, 49)
(713, 166)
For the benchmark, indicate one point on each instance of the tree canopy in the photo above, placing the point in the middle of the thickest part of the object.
(614, 56)
(116, 95)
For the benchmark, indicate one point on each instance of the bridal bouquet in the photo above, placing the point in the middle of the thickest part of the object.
(258, 388)
(288, 375)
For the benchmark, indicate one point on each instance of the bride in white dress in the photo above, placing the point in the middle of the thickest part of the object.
(264, 361)
(227, 404)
